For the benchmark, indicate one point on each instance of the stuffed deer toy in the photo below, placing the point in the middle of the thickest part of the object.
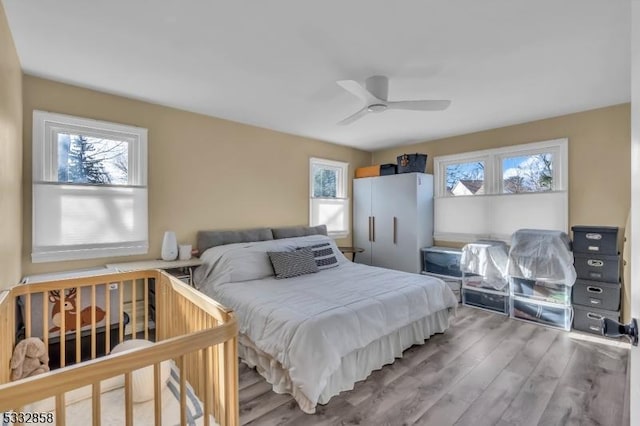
(29, 358)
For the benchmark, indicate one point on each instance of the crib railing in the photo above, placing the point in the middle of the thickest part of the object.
(190, 328)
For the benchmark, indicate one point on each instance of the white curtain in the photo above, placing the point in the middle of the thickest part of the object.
(469, 218)
(333, 212)
(88, 221)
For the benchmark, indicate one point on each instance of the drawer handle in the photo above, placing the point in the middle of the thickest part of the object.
(594, 301)
(595, 263)
(592, 289)
(594, 248)
(594, 328)
(593, 236)
(593, 316)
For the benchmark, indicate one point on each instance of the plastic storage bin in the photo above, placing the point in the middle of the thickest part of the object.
(590, 319)
(597, 294)
(541, 291)
(551, 315)
(443, 261)
(490, 300)
(597, 267)
(595, 239)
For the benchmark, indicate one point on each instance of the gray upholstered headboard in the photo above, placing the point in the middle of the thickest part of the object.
(208, 239)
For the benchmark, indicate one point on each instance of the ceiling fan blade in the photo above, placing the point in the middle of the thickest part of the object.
(354, 117)
(420, 105)
(358, 90)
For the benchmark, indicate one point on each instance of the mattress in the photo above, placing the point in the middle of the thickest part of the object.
(79, 405)
(311, 323)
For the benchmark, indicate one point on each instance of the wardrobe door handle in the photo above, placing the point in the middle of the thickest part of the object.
(369, 228)
(373, 229)
(395, 230)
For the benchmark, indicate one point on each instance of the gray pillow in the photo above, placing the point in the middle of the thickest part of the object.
(287, 264)
(324, 256)
(298, 231)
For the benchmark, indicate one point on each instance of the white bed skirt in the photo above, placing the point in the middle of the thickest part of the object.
(355, 366)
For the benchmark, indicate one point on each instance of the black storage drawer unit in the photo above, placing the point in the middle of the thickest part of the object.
(590, 319)
(442, 261)
(484, 300)
(595, 239)
(540, 290)
(410, 163)
(597, 267)
(551, 315)
(597, 294)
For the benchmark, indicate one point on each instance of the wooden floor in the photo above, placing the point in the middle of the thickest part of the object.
(485, 370)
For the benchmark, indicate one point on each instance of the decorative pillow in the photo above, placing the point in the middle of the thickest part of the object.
(287, 264)
(142, 378)
(324, 256)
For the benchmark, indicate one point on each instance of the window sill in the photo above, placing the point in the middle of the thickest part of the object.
(87, 253)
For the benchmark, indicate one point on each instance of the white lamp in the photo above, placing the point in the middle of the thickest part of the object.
(169, 246)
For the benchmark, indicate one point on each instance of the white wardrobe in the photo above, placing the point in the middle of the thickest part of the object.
(393, 219)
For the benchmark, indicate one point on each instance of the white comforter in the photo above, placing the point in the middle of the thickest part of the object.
(309, 323)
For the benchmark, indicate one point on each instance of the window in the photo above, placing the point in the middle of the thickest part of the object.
(492, 193)
(465, 178)
(89, 188)
(329, 204)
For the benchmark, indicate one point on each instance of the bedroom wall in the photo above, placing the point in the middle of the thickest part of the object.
(599, 152)
(10, 158)
(204, 172)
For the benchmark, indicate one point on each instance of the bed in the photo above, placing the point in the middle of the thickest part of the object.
(185, 343)
(315, 335)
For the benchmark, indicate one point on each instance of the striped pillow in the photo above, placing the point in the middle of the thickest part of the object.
(287, 264)
(324, 256)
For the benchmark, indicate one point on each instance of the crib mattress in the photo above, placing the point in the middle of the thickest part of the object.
(112, 409)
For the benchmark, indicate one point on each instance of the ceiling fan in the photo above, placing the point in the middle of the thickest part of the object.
(374, 94)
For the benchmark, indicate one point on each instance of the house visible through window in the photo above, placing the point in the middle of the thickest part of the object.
(89, 188)
(492, 193)
(329, 204)
(465, 178)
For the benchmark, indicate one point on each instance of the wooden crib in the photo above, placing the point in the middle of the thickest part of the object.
(196, 333)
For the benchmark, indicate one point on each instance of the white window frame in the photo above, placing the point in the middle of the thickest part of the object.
(492, 158)
(46, 127)
(342, 186)
(494, 184)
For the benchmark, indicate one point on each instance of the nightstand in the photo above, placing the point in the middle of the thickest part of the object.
(181, 269)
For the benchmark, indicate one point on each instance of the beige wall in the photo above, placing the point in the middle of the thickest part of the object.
(204, 172)
(599, 152)
(10, 158)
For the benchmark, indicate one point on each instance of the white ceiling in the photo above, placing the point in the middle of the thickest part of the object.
(274, 63)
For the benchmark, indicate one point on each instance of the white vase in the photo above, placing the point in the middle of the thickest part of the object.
(169, 246)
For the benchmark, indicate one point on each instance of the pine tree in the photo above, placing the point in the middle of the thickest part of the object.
(83, 166)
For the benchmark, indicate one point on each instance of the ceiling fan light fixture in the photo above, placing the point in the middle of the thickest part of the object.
(376, 107)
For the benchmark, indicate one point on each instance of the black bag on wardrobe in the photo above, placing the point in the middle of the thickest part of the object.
(409, 163)
(388, 169)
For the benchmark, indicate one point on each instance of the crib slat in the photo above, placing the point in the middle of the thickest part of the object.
(207, 385)
(63, 329)
(95, 404)
(121, 310)
(146, 308)
(45, 318)
(60, 410)
(183, 392)
(93, 322)
(128, 402)
(157, 395)
(27, 320)
(107, 316)
(78, 325)
(134, 313)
